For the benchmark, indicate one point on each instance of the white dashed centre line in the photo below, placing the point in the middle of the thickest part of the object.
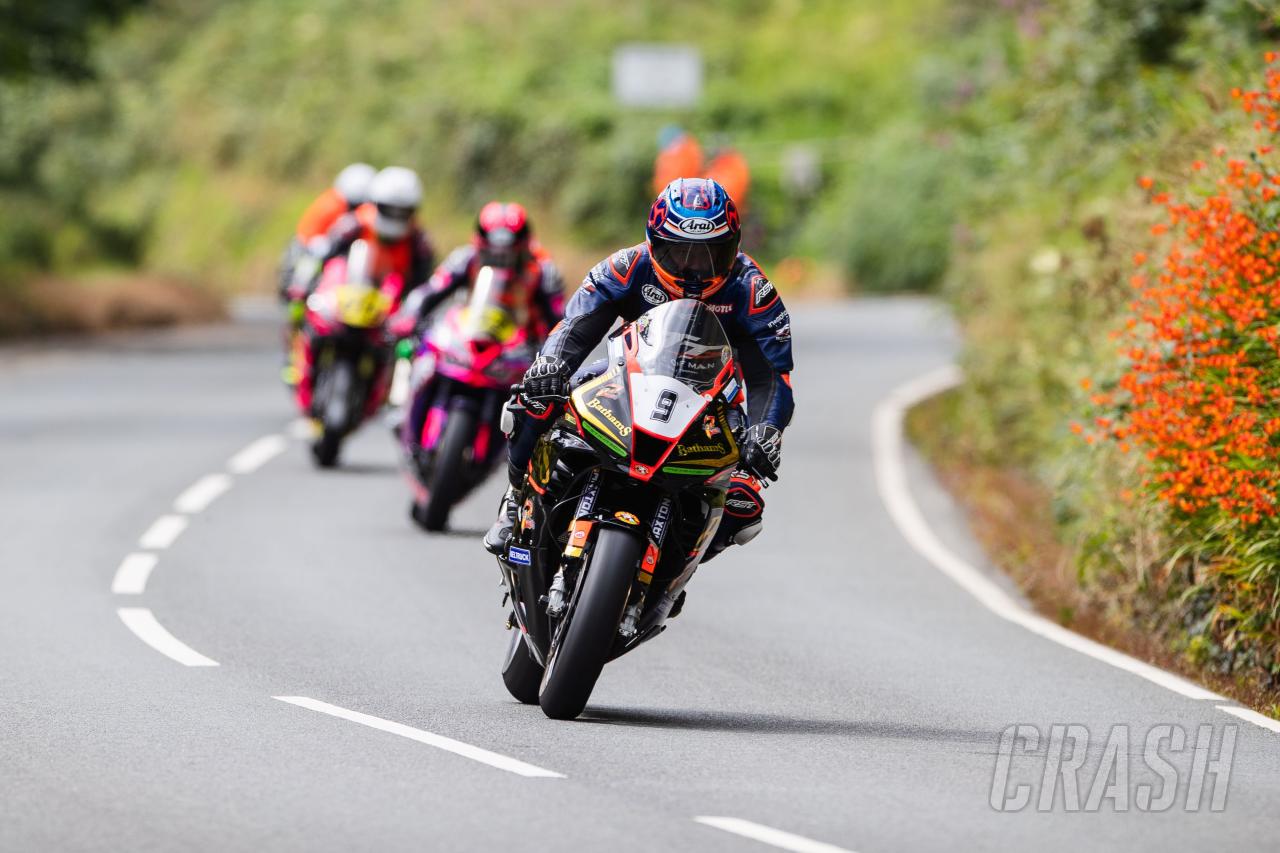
(141, 622)
(769, 835)
(257, 454)
(163, 532)
(131, 577)
(457, 747)
(201, 493)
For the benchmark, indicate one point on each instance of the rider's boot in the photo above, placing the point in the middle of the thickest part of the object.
(496, 539)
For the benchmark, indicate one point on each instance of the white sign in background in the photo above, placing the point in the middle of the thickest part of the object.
(657, 75)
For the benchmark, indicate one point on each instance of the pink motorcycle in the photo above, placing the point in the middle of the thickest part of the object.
(461, 376)
(342, 352)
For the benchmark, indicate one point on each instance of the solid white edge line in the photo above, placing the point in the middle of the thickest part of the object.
(257, 454)
(891, 481)
(769, 835)
(163, 532)
(457, 747)
(143, 624)
(1251, 716)
(131, 577)
(201, 493)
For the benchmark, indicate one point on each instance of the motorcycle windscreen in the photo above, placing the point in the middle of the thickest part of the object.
(683, 354)
(489, 313)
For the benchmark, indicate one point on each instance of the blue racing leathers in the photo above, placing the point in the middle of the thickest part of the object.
(625, 285)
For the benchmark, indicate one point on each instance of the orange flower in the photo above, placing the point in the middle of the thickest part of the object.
(1202, 341)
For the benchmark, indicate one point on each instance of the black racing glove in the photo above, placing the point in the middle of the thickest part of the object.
(763, 451)
(548, 376)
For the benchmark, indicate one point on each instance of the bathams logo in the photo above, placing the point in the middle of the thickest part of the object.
(653, 294)
(697, 226)
(609, 416)
(691, 449)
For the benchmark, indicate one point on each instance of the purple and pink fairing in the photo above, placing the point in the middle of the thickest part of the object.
(486, 369)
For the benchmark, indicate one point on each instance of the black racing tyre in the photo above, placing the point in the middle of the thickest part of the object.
(587, 640)
(325, 449)
(520, 672)
(449, 468)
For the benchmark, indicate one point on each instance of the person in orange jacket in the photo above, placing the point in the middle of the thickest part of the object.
(679, 156)
(350, 190)
(389, 220)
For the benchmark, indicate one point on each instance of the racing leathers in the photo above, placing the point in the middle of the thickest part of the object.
(625, 285)
(539, 296)
(410, 257)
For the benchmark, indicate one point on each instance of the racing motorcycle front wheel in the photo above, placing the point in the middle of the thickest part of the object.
(450, 468)
(583, 645)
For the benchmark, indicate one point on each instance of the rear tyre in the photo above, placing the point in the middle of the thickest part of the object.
(449, 468)
(326, 448)
(521, 673)
(333, 388)
(587, 640)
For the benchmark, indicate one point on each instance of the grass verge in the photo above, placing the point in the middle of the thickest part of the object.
(103, 302)
(1012, 516)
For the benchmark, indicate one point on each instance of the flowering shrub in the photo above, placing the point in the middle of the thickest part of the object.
(1200, 392)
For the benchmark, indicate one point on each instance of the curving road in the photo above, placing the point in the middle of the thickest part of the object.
(826, 688)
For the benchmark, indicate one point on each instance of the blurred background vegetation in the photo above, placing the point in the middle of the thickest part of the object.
(183, 137)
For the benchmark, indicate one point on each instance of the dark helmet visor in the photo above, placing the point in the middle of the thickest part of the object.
(695, 261)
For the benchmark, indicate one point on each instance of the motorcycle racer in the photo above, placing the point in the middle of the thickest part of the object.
(503, 238)
(389, 219)
(691, 251)
(350, 190)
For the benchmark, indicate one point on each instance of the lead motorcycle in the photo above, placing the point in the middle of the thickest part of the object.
(344, 353)
(464, 368)
(624, 494)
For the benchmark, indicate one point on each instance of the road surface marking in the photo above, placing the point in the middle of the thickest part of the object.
(201, 493)
(891, 480)
(140, 621)
(162, 532)
(131, 577)
(457, 747)
(257, 454)
(1252, 717)
(769, 835)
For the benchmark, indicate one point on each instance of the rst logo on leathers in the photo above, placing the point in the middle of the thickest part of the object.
(653, 294)
(763, 293)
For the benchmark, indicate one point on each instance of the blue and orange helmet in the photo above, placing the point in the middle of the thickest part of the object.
(693, 236)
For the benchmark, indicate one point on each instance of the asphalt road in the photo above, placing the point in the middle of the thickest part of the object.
(825, 681)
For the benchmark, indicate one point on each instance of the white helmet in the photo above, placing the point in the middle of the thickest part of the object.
(397, 192)
(353, 182)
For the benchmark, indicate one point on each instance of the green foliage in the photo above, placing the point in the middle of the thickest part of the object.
(211, 124)
(1053, 128)
(51, 37)
(892, 218)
